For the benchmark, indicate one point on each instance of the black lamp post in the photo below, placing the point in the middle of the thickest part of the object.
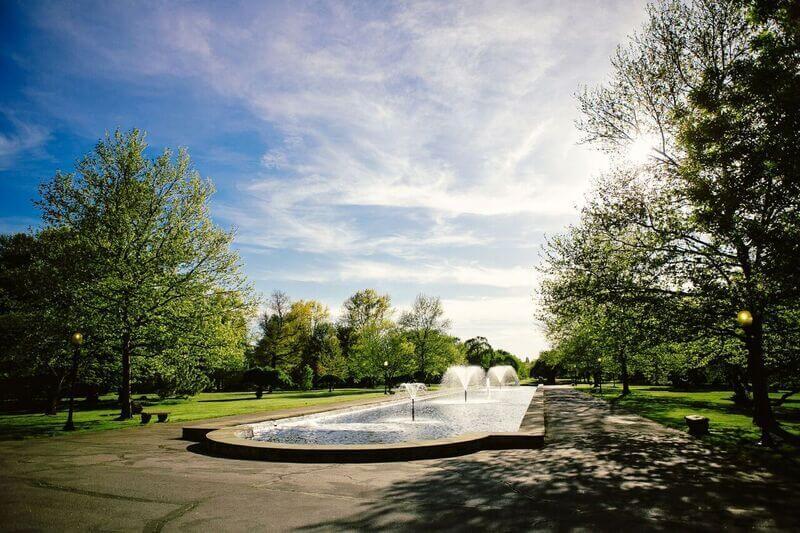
(386, 377)
(76, 340)
(745, 319)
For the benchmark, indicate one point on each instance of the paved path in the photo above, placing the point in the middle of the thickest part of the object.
(599, 471)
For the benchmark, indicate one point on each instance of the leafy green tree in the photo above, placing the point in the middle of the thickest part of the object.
(331, 363)
(716, 85)
(153, 253)
(366, 308)
(306, 381)
(548, 366)
(479, 352)
(274, 347)
(43, 288)
(266, 378)
(426, 327)
(381, 351)
(303, 325)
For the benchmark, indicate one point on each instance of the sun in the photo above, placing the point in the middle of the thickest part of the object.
(641, 149)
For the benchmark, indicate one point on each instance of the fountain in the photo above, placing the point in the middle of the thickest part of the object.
(413, 389)
(463, 377)
(502, 376)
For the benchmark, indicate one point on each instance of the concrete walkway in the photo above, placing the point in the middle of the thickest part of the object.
(600, 470)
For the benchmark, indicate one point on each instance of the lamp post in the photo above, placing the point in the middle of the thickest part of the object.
(386, 377)
(76, 340)
(745, 320)
(600, 373)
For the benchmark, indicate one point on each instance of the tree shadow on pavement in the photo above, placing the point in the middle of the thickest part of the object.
(600, 470)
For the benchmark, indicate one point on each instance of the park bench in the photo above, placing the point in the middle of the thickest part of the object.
(162, 417)
(698, 425)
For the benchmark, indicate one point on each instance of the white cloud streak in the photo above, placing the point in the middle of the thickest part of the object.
(405, 129)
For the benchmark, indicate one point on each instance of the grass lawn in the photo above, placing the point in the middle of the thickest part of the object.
(731, 427)
(24, 424)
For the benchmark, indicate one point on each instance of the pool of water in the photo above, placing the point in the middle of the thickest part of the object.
(445, 415)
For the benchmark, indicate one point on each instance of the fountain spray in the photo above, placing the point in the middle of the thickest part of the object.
(413, 389)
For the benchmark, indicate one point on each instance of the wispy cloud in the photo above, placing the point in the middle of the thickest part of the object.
(424, 143)
(20, 138)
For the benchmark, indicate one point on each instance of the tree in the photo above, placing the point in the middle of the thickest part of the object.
(43, 286)
(381, 351)
(274, 348)
(366, 308)
(302, 324)
(332, 365)
(153, 253)
(426, 327)
(548, 366)
(266, 377)
(716, 85)
(479, 352)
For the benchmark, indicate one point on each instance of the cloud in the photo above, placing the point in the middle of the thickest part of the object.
(440, 273)
(22, 137)
(506, 322)
(423, 143)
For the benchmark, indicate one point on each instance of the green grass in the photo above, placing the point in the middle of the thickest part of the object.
(19, 425)
(731, 427)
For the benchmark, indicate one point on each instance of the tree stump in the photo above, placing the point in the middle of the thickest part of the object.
(698, 425)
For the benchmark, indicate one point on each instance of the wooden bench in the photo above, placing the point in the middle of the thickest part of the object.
(162, 417)
(698, 425)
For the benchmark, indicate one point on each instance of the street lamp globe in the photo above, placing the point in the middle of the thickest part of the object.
(386, 363)
(77, 338)
(745, 318)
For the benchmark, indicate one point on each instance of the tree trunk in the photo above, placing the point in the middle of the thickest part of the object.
(623, 365)
(741, 396)
(762, 409)
(125, 387)
(54, 397)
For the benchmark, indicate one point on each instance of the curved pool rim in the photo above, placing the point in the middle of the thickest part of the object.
(233, 442)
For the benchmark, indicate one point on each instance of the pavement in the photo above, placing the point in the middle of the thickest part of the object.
(600, 470)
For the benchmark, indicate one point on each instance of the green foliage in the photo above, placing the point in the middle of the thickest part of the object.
(332, 365)
(426, 328)
(274, 348)
(366, 308)
(381, 351)
(672, 248)
(267, 378)
(306, 381)
(479, 352)
(44, 291)
(159, 269)
(548, 366)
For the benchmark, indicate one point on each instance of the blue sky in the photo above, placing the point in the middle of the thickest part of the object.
(407, 146)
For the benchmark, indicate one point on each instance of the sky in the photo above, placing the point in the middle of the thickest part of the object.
(411, 147)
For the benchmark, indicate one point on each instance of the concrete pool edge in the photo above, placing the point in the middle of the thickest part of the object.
(231, 442)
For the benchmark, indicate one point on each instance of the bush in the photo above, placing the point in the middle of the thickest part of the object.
(266, 377)
(306, 381)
